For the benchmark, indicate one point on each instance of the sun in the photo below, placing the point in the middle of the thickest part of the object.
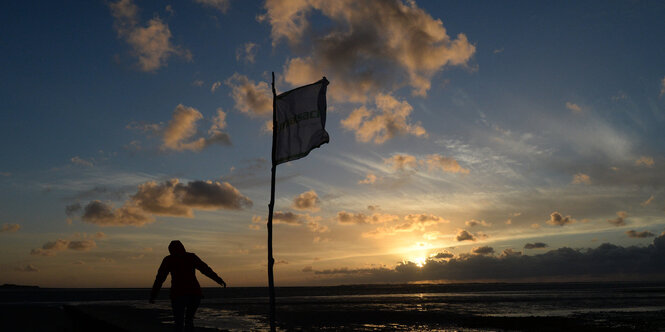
(420, 261)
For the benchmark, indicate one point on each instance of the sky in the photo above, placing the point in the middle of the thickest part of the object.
(469, 141)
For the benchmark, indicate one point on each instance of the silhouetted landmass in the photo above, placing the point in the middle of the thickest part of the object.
(13, 286)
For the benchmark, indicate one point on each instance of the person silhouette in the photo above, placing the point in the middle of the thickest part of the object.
(185, 289)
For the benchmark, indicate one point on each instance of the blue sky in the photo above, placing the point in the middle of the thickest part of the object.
(515, 122)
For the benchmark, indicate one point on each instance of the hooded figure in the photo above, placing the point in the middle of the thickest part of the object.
(185, 289)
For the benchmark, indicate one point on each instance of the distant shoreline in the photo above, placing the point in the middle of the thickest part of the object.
(14, 286)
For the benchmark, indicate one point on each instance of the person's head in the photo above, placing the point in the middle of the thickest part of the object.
(176, 248)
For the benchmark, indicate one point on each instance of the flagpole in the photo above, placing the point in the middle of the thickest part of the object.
(271, 261)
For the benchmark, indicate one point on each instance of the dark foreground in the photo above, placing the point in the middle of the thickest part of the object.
(469, 307)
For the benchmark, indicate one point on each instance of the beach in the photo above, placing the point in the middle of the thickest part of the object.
(464, 307)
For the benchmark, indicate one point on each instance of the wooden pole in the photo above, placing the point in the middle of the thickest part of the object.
(271, 261)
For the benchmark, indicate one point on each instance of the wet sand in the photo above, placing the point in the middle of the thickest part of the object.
(84, 318)
(126, 318)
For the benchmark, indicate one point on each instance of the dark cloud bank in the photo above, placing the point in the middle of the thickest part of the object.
(607, 261)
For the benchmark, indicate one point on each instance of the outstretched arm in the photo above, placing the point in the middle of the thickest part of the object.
(207, 271)
(162, 273)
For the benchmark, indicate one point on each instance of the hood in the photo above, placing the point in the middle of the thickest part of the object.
(176, 248)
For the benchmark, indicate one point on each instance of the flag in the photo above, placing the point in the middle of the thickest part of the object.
(300, 122)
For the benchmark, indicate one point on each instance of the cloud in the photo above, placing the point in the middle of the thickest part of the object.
(645, 161)
(169, 198)
(215, 86)
(581, 178)
(412, 222)
(307, 201)
(198, 83)
(370, 45)
(485, 250)
(639, 235)
(606, 261)
(647, 202)
(289, 218)
(401, 161)
(557, 219)
(251, 99)
(446, 164)
(619, 220)
(76, 160)
(151, 43)
(536, 245)
(509, 252)
(464, 235)
(26, 268)
(181, 129)
(573, 107)
(370, 178)
(103, 214)
(221, 5)
(344, 217)
(178, 199)
(662, 87)
(390, 119)
(10, 228)
(473, 223)
(443, 255)
(296, 219)
(247, 52)
(52, 248)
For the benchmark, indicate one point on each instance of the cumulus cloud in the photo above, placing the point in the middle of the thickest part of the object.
(557, 219)
(464, 235)
(250, 98)
(389, 119)
(307, 201)
(581, 178)
(443, 255)
(536, 245)
(76, 160)
(52, 248)
(639, 235)
(620, 220)
(104, 214)
(573, 107)
(485, 250)
(474, 223)
(370, 178)
(247, 52)
(178, 199)
(221, 5)
(151, 43)
(26, 268)
(344, 217)
(605, 261)
(181, 129)
(645, 161)
(371, 45)
(169, 198)
(10, 228)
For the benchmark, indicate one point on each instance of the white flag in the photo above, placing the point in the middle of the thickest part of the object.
(301, 121)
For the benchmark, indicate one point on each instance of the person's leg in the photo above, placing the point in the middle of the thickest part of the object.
(193, 302)
(178, 306)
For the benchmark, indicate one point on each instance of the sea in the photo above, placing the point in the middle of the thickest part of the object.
(592, 306)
